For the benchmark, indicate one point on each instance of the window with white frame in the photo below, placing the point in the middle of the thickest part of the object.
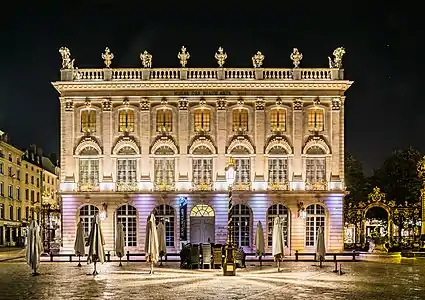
(164, 167)
(202, 170)
(89, 172)
(127, 216)
(87, 213)
(274, 211)
(165, 213)
(241, 225)
(242, 170)
(278, 170)
(315, 169)
(315, 219)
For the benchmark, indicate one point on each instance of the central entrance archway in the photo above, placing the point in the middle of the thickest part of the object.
(202, 221)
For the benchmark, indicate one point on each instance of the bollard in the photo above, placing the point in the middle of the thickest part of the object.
(354, 255)
(296, 255)
(128, 256)
(336, 267)
(340, 269)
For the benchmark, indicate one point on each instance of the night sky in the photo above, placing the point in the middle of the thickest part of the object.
(385, 50)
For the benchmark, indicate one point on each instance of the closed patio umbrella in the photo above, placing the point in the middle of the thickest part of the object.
(79, 245)
(320, 245)
(259, 241)
(162, 246)
(151, 243)
(119, 242)
(34, 247)
(278, 246)
(95, 243)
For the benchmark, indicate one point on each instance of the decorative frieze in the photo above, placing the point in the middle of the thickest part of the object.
(183, 104)
(144, 104)
(69, 105)
(298, 105)
(221, 104)
(336, 104)
(107, 105)
(260, 104)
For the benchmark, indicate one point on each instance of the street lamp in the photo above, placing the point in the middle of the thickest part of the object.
(229, 268)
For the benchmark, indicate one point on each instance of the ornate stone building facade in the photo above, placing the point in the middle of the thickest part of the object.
(142, 140)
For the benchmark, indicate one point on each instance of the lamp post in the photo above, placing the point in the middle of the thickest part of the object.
(229, 268)
(421, 174)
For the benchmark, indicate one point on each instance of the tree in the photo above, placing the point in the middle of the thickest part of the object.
(355, 180)
(398, 176)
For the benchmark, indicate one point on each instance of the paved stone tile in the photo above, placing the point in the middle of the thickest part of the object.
(302, 280)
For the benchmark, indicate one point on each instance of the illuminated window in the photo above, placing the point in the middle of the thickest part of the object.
(164, 120)
(242, 170)
(87, 213)
(240, 120)
(202, 120)
(88, 120)
(315, 165)
(274, 211)
(315, 219)
(127, 216)
(241, 225)
(165, 213)
(126, 120)
(315, 119)
(278, 120)
(202, 210)
(202, 171)
(278, 170)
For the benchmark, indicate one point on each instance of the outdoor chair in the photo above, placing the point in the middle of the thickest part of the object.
(206, 255)
(240, 258)
(195, 256)
(217, 256)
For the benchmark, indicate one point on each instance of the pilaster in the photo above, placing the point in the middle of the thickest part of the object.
(107, 133)
(341, 138)
(183, 133)
(145, 137)
(259, 139)
(297, 139)
(67, 135)
(221, 135)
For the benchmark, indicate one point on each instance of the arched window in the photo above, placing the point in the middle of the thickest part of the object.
(316, 119)
(87, 213)
(240, 120)
(202, 120)
(241, 225)
(88, 120)
(274, 211)
(126, 120)
(278, 166)
(315, 219)
(315, 167)
(202, 210)
(127, 216)
(165, 213)
(126, 169)
(164, 168)
(278, 120)
(164, 120)
(202, 168)
(88, 170)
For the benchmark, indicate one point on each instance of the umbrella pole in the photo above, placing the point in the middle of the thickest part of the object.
(120, 261)
(151, 272)
(278, 265)
(95, 272)
(160, 260)
(320, 260)
(261, 262)
(79, 260)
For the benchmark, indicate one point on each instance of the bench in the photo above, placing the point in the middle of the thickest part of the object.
(70, 256)
(352, 255)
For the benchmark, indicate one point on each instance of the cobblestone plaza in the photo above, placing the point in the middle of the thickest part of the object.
(299, 280)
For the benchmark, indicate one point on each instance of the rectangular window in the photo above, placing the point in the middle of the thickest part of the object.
(278, 170)
(315, 170)
(126, 121)
(10, 191)
(278, 120)
(126, 174)
(313, 223)
(240, 120)
(164, 120)
(27, 194)
(316, 119)
(18, 174)
(18, 193)
(32, 196)
(242, 170)
(202, 171)
(164, 171)
(10, 212)
(202, 120)
(18, 212)
(1, 189)
(1, 168)
(89, 174)
(88, 121)
(1, 211)
(241, 233)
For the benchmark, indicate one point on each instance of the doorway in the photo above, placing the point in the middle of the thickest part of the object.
(202, 224)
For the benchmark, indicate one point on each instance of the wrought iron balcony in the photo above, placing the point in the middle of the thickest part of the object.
(203, 186)
(164, 187)
(88, 187)
(127, 187)
(242, 186)
(316, 186)
(278, 186)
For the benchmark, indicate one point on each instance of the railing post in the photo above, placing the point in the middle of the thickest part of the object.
(334, 257)
(70, 257)
(354, 255)
(51, 257)
(314, 256)
(296, 255)
(128, 256)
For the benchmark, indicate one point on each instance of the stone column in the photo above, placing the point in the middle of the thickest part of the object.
(107, 134)
(67, 140)
(259, 141)
(297, 138)
(145, 138)
(221, 136)
(335, 139)
(342, 139)
(184, 176)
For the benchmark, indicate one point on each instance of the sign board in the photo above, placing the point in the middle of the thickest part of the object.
(183, 218)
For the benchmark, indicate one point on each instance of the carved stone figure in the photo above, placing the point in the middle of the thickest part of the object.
(221, 57)
(107, 57)
(257, 60)
(337, 62)
(146, 59)
(183, 56)
(296, 57)
(67, 62)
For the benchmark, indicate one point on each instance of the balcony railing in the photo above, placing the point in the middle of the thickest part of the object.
(127, 187)
(278, 186)
(164, 187)
(88, 187)
(316, 186)
(203, 186)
